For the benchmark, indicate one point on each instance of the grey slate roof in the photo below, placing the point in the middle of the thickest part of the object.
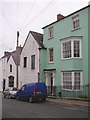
(15, 55)
(38, 37)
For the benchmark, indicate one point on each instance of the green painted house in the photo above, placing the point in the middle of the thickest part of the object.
(64, 57)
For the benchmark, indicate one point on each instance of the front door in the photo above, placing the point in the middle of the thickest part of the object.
(50, 82)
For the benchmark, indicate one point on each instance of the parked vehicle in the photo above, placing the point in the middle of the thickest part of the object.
(10, 92)
(32, 92)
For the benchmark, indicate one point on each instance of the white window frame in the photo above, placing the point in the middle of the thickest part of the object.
(74, 22)
(50, 32)
(72, 47)
(33, 62)
(49, 55)
(72, 81)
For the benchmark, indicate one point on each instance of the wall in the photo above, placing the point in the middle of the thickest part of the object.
(63, 29)
(26, 74)
(13, 73)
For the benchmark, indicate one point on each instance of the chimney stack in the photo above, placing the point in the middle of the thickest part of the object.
(6, 53)
(59, 17)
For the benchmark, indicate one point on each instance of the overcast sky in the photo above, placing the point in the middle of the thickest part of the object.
(26, 15)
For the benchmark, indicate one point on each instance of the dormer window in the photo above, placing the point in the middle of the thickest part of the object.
(75, 22)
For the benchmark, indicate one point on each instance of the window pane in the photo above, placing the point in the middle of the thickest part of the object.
(50, 32)
(51, 55)
(66, 49)
(76, 49)
(76, 22)
(77, 81)
(25, 61)
(11, 83)
(32, 61)
(10, 68)
(67, 80)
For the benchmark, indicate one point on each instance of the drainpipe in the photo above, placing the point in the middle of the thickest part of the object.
(17, 76)
(17, 58)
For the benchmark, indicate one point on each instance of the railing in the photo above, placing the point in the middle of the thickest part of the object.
(72, 94)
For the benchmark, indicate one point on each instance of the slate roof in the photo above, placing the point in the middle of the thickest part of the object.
(15, 55)
(6, 55)
(37, 36)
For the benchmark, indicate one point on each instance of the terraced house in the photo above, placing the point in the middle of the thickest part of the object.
(10, 71)
(64, 60)
(29, 58)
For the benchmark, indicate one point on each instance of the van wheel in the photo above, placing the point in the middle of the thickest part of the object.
(30, 99)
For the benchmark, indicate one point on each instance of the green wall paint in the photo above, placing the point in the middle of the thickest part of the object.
(63, 29)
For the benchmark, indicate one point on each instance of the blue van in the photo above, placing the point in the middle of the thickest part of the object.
(32, 92)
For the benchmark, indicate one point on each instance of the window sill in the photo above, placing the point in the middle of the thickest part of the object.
(71, 58)
(71, 90)
(50, 38)
(76, 29)
(32, 69)
(51, 62)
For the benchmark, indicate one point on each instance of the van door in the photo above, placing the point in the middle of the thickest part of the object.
(22, 92)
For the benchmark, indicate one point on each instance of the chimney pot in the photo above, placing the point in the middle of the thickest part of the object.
(59, 17)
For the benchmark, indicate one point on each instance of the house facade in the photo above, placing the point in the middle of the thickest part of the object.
(64, 60)
(11, 68)
(29, 59)
(3, 71)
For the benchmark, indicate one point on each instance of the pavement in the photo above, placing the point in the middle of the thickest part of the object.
(69, 102)
(64, 101)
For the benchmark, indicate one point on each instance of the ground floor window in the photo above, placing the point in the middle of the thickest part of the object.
(72, 80)
(11, 81)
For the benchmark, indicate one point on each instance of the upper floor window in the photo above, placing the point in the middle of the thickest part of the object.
(10, 68)
(76, 48)
(71, 80)
(75, 22)
(66, 49)
(71, 49)
(50, 32)
(50, 55)
(32, 61)
(25, 62)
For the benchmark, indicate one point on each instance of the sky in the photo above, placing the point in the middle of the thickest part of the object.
(30, 15)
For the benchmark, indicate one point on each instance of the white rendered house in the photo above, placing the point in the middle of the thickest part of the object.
(10, 68)
(29, 59)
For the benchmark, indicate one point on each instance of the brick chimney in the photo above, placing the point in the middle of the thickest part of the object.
(6, 53)
(59, 17)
